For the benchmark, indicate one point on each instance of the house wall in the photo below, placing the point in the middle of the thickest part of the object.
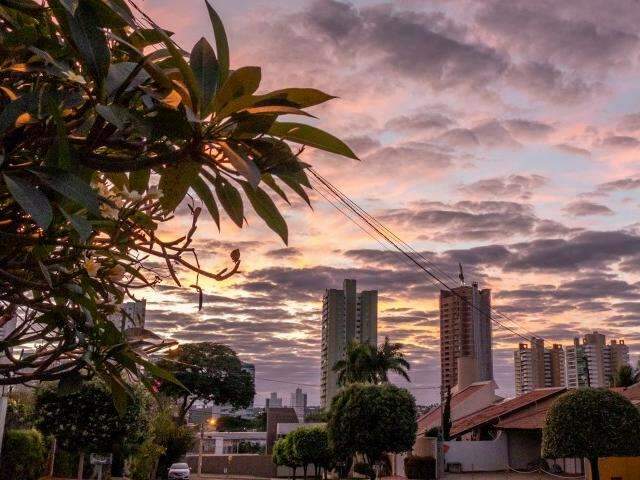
(524, 447)
(478, 456)
(259, 466)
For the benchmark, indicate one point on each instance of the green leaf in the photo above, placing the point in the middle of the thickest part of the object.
(312, 136)
(124, 72)
(13, 110)
(32, 200)
(90, 41)
(244, 166)
(231, 200)
(61, 142)
(114, 114)
(276, 110)
(70, 5)
(242, 82)
(301, 97)
(175, 182)
(72, 187)
(222, 44)
(187, 74)
(159, 372)
(269, 180)
(296, 187)
(267, 210)
(80, 224)
(204, 193)
(139, 180)
(205, 68)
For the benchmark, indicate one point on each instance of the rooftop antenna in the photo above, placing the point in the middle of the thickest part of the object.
(461, 275)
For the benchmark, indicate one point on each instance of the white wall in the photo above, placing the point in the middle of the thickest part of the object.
(478, 456)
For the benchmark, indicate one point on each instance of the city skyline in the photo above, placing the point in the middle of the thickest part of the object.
(510, 148)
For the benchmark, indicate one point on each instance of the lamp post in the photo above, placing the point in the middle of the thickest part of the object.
(212, 423)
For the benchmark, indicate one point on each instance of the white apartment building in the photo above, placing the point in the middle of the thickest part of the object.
(538, 367)
(594, 363)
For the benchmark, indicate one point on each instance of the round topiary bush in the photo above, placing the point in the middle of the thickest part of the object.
(591, 423)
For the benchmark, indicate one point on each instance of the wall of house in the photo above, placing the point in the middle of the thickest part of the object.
(524, 447)
(259, 466)
(478, 456)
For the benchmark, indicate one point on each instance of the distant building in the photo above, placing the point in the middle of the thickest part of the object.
(538, 367)
(465, 336)
(346, 315)
(593, 363)
(298, 401)
(273, 401)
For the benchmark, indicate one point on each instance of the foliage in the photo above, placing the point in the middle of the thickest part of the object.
(23, 455)
(87, 421)
(624, 376)
(143, 462)
(211, 372)
(420, 468)
(176, 440)
(310, 446)
(250, 447)
(591, 423)
(320, 416)
(433, 432)
(446, 416)
(20, 410)
(372, 420)
(364, 363)
(228, 423)
(365, 469)
(100, 142)
(283, 454)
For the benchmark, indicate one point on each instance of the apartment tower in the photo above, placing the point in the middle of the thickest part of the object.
(346, 315)
(593, 363)
(538, 367)
(465, 335)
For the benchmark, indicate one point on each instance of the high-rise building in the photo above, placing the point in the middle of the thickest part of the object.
(346, 315)
(538, 367)
(273, 401)
(593, 363)
(299, 403)
(465, 336)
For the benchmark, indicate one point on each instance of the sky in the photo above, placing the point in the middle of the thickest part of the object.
(501, 134)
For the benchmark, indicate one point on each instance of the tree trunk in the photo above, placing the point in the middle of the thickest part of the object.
(304, 470)
(294, 469)
(595, 468)
(80, 465)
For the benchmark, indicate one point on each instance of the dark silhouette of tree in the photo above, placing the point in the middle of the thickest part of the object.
(591, 423)
(446, 416)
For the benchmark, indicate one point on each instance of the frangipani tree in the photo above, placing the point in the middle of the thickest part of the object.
(106, 125)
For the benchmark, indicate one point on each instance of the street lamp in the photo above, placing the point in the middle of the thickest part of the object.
(212, 422)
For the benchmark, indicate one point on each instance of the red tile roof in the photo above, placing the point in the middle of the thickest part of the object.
(495, 413)
(432, 417)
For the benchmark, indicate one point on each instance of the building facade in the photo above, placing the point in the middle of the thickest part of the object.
(538, 367)
(593, 363)
(346, 315)
(465, 336)
(298, 401)
(273, 401)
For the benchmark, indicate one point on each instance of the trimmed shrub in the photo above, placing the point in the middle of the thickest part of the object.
(364, 469)
(23, 455)
(420, 468)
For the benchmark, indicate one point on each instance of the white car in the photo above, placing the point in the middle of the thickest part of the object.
(179, 471)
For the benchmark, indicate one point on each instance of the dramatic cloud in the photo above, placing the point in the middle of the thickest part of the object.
(583, 208)
(513, 186)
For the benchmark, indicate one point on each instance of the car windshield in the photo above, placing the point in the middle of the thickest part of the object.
(180, 466)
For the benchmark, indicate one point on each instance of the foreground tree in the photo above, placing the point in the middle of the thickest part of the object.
(210, 372)
(366, 363)
(591, 423)
(86, 420)
(99, 144)
(371, 420)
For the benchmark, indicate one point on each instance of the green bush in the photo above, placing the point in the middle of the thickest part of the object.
(420, 468)
(143, 462)
(364, 469)
(23, 455)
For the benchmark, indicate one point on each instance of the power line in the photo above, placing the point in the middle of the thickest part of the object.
(357, 211)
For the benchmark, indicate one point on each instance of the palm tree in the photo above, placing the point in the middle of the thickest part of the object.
(624, 377)
(389, 358)
(357, 366)
(364, 363)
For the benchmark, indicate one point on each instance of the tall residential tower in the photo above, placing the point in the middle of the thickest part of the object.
(538, 367)
(465, 336)
(346, 315)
